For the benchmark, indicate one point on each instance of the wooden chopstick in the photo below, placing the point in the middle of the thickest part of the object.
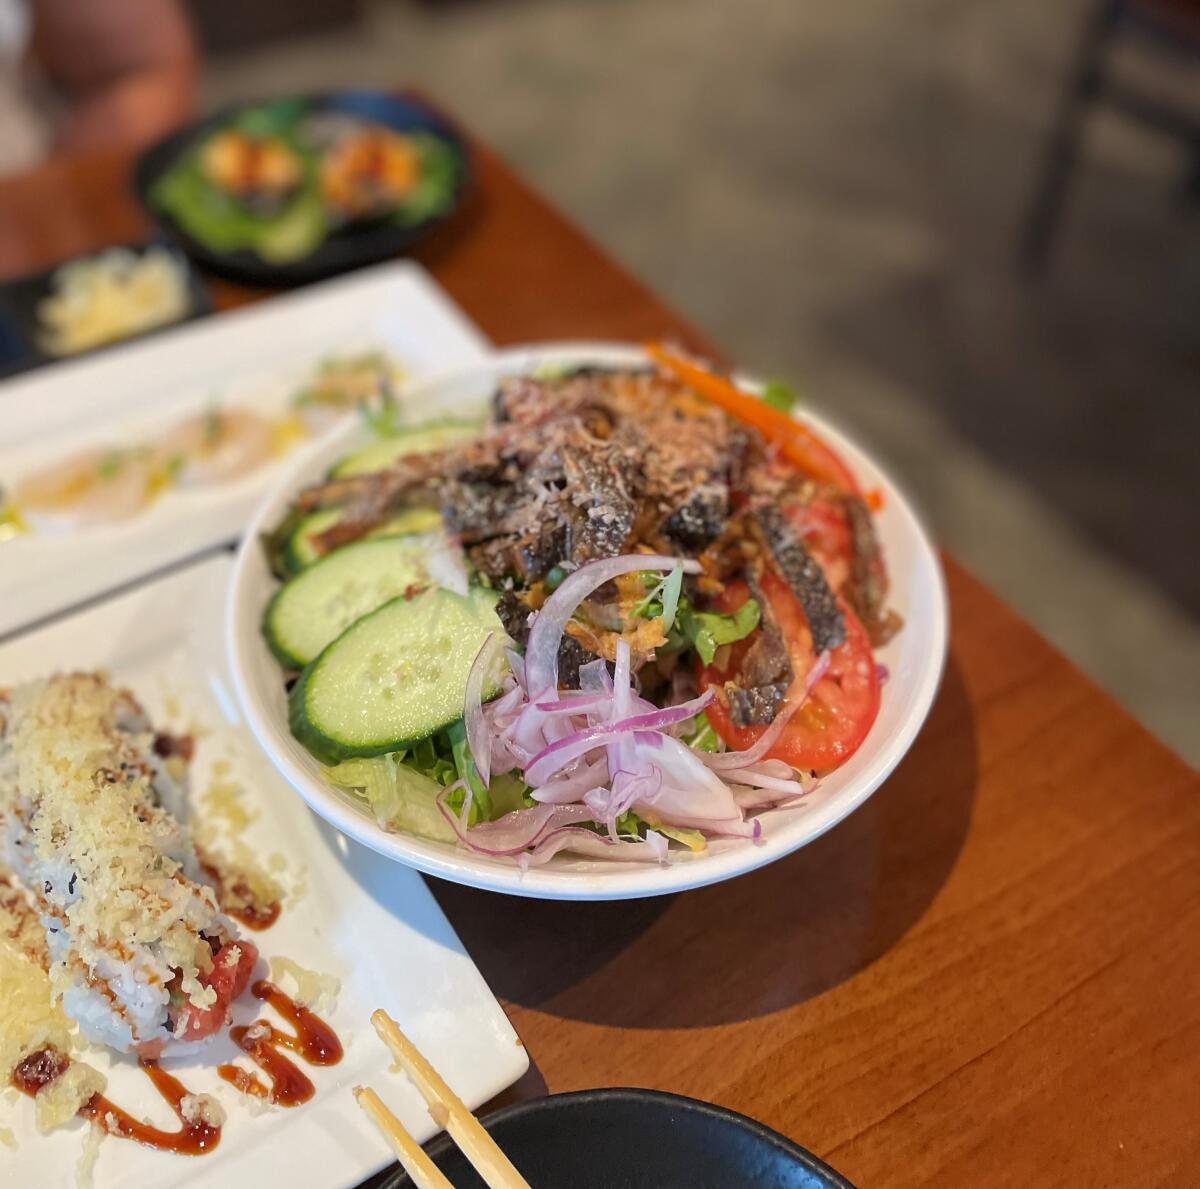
(448, 1110)
(424, 1173)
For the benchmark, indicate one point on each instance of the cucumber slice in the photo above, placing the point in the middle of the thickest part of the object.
(300, 553)
(322, 601)
(393, 678)
(379, 455)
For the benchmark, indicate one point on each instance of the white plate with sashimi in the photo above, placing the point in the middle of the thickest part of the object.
(119, 464)
(189, 959)
(587, 622)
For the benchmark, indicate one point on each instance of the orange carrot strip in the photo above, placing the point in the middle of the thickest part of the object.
(795, 440)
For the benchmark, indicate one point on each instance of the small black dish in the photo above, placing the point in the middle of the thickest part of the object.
(344, 248)
(634, 1139)
(21, 330)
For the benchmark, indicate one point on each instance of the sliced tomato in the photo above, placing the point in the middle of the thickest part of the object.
(825, 531)
(831, 725)
(231, 968)
(822, 526)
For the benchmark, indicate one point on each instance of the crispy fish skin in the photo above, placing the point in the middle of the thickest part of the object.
(868, 586)
(514, 615)
(766, 670)
(806, 578)
(573, 469)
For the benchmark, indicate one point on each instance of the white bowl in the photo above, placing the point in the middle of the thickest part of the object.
(914, 659)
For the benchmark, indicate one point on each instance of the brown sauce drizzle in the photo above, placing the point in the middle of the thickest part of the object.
(312, 1039)
(192, 1139)
(256, 918)
(39, 1069)
(167, 745)
(236, 899)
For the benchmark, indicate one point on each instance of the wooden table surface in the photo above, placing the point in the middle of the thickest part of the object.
(987, 976)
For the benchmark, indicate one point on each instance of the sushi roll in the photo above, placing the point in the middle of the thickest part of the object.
(92, 823)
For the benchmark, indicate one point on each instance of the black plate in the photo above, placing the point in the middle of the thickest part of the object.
(634, 1139)
(343, 249)
(20, 328)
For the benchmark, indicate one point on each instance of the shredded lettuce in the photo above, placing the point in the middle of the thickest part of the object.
(430, 760)
(464, 765)
(630, 825)
(692, 839)
(401, 798)
(402, 787)
(699, 735)
(509, 793)
(705, 631)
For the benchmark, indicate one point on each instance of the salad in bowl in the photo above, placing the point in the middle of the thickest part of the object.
(607, 623)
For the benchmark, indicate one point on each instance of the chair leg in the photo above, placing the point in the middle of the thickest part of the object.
(1062, 153)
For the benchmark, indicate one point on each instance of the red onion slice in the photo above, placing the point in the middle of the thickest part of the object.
(558, 754)
(627, 788)
(725, 827)
(569, 789)
(575, 703)
(594, 677)
(479, 735)
(652, 849)
(541, 656)
(751, 799)
(514, 832)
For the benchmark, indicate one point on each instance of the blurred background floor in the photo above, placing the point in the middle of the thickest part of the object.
(834, 194)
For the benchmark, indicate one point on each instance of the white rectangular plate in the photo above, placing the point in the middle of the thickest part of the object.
(370, 922)
(254, 358)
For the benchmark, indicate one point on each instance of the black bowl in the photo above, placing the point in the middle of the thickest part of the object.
(21, 328)
(348, 247)
(634, 1139)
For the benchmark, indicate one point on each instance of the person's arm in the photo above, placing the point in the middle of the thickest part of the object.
(126, 68)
